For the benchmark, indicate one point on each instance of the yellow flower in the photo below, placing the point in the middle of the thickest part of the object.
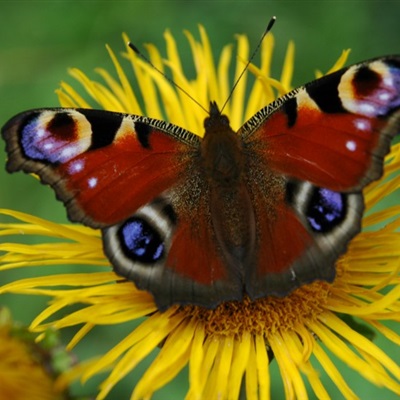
(25, 367)
(228, 349)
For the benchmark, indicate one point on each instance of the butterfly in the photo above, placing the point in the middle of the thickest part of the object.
(258, 212)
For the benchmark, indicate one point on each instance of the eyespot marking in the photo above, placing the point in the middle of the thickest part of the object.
(140, 241)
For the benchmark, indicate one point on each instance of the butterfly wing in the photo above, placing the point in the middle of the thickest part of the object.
(137, 179)
(168, 249)
(102, 165)
(335, 131)
(325, 142)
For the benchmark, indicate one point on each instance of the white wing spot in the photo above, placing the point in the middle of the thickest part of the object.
(388, 81)
(367, 109)
(40, 133)
(68, 152)
(362, 124)
(48, 146)
(92, 182)
(384, 96)
(351, 145)
(76, 166)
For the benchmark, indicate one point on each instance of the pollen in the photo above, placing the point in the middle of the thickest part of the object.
(263, 316)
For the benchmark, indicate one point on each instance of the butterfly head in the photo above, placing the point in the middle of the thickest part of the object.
(216, 119)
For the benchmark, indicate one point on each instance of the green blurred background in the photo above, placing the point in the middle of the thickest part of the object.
(39, 40)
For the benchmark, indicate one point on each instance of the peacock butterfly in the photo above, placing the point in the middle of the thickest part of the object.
(259, 212)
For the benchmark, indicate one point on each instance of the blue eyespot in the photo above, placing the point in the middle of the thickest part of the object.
(326, 210)
(140, 241)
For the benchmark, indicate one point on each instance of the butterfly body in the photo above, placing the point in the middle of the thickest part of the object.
(200, 221)
(230, 207)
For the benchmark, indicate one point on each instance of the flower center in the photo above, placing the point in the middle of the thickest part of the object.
(263, 316)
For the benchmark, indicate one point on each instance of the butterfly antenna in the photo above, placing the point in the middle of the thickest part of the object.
(269, 27)
(170, 80)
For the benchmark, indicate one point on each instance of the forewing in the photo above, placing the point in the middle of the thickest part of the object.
(333, 132)
(102, 165)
